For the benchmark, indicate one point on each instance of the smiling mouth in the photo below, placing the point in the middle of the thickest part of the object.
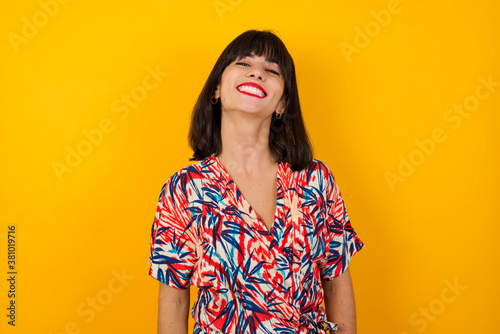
(252, 90)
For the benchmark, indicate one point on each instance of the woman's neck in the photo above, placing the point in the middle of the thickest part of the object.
(245, 142)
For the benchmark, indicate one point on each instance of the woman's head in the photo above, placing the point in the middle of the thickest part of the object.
(288, 141)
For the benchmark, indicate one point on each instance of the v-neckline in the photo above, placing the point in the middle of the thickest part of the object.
(260, 223)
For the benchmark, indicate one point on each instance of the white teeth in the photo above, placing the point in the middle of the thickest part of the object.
(251, 90)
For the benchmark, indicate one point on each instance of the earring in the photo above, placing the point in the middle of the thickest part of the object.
(278, 116)
(214, 100)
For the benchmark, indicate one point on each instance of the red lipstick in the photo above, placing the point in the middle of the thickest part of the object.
(252, 89)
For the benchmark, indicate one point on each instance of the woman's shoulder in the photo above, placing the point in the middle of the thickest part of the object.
(198, 170)
(185, 182)
(317, 167)
(317, 175)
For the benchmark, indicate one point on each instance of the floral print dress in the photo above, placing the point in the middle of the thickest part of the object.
(250, 279)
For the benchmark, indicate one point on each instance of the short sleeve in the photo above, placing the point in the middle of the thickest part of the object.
(341, 241)
(173, 237)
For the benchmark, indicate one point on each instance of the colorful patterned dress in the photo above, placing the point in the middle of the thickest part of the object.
(252, 280)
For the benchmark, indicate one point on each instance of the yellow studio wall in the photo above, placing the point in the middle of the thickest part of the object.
(401, 100)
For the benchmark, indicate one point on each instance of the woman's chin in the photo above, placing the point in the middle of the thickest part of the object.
(249, 111)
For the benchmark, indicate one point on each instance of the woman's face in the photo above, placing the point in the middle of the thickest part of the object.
(252, 84)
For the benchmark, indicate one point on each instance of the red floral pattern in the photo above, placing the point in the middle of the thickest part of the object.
(251, 280)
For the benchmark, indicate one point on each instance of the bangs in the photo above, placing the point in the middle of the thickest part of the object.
(260, 43)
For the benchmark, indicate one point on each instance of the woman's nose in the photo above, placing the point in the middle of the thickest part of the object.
(256, 72)
(257, 76)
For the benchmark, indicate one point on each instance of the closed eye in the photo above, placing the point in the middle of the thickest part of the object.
(241, 63)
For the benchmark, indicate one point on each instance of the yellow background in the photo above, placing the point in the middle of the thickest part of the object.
(364, 113)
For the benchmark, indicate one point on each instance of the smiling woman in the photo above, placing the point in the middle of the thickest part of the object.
(258, 225)
(291, 145)
(248, 75)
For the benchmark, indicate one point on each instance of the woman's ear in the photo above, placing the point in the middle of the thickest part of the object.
(280, 109)
(217, 92)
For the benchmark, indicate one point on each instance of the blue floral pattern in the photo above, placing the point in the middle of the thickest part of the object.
(250, 279)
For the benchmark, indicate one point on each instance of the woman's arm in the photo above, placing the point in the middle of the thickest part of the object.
(173, 310)
(339, 303)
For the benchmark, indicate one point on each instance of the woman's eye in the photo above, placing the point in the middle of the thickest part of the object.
(241, 63)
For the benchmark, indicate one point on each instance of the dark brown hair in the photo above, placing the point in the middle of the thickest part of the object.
(288, 140)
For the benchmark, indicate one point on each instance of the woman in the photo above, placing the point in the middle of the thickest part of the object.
(257, 224)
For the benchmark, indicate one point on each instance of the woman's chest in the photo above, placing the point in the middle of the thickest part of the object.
(260, 192)
(231, 229)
